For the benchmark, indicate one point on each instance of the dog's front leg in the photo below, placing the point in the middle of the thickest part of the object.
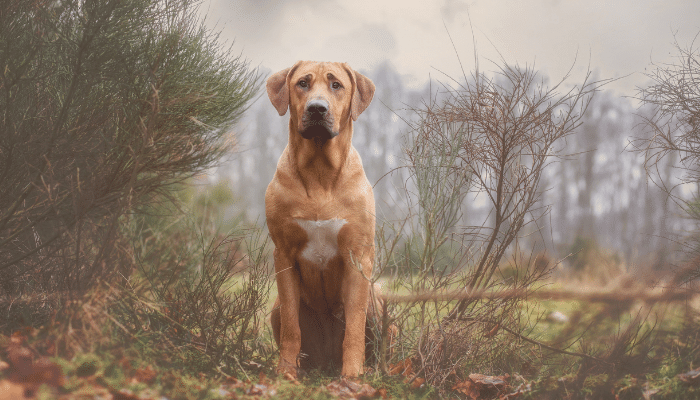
(290, 334)
(358, 269)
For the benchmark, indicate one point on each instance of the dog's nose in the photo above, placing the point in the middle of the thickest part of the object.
(317, 106)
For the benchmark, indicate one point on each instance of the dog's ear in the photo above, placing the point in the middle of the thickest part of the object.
(364, 91)
(278, 88)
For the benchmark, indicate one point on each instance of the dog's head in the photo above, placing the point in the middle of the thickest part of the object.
(322, 96)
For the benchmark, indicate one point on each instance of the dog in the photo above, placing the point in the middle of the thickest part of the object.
(320, 214)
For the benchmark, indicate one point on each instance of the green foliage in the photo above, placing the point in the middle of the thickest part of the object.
(582, 250)
(108, 109)
(104, 103)
(595, 384)
(198, 289)
(591, 262)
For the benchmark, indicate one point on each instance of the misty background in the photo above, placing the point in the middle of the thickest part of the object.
(598, 193)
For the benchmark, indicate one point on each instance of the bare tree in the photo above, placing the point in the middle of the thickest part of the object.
(673, 130)
(489, 138)
(503, 133)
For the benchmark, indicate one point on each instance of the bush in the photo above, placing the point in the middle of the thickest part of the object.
(589, 262)
(492, 137)
(105, 104)
(200, 295)
(672, 132)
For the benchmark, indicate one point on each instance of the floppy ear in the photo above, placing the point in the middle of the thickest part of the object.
(278, 89)
(364, 91)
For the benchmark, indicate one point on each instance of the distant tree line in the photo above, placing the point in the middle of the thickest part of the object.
(597, 191)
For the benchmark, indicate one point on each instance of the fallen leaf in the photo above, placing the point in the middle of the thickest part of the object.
(11, 391)
(44, 371)
(51, 346)
(21, 359)
(467, 388)
(234, 383)
(493, 331)
(478, 386)
(125, 364)
(145, 375)
(404, 368)
(18, 338)
(418, 382)
(28, 372)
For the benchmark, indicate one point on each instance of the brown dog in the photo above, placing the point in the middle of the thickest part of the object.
(320, 214)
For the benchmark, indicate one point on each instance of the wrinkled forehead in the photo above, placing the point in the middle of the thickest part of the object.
(323, 70)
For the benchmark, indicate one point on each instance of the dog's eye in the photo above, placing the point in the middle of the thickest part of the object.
(303, 83)
(336, 85)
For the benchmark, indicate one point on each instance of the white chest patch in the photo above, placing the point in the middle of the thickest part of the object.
(323, 240)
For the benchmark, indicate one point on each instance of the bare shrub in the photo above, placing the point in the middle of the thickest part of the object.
(671, 123)
(670, 143)
(488, 137)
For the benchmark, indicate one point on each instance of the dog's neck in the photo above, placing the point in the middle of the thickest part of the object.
(319, 163)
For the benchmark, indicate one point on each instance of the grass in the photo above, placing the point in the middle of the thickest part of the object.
(131, 374)
(145, 340)
(134, 368)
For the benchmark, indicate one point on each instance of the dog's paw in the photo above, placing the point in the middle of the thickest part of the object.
(288, 371)
(288, 376)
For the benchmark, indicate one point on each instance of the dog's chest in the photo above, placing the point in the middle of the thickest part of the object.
(322, 244)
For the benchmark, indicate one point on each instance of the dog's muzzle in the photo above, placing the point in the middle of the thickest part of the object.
(317, 121)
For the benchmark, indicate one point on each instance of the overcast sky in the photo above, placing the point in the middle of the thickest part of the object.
(616, 37)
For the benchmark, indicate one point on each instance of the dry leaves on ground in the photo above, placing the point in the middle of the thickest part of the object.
(405, 368)
(26, 370)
